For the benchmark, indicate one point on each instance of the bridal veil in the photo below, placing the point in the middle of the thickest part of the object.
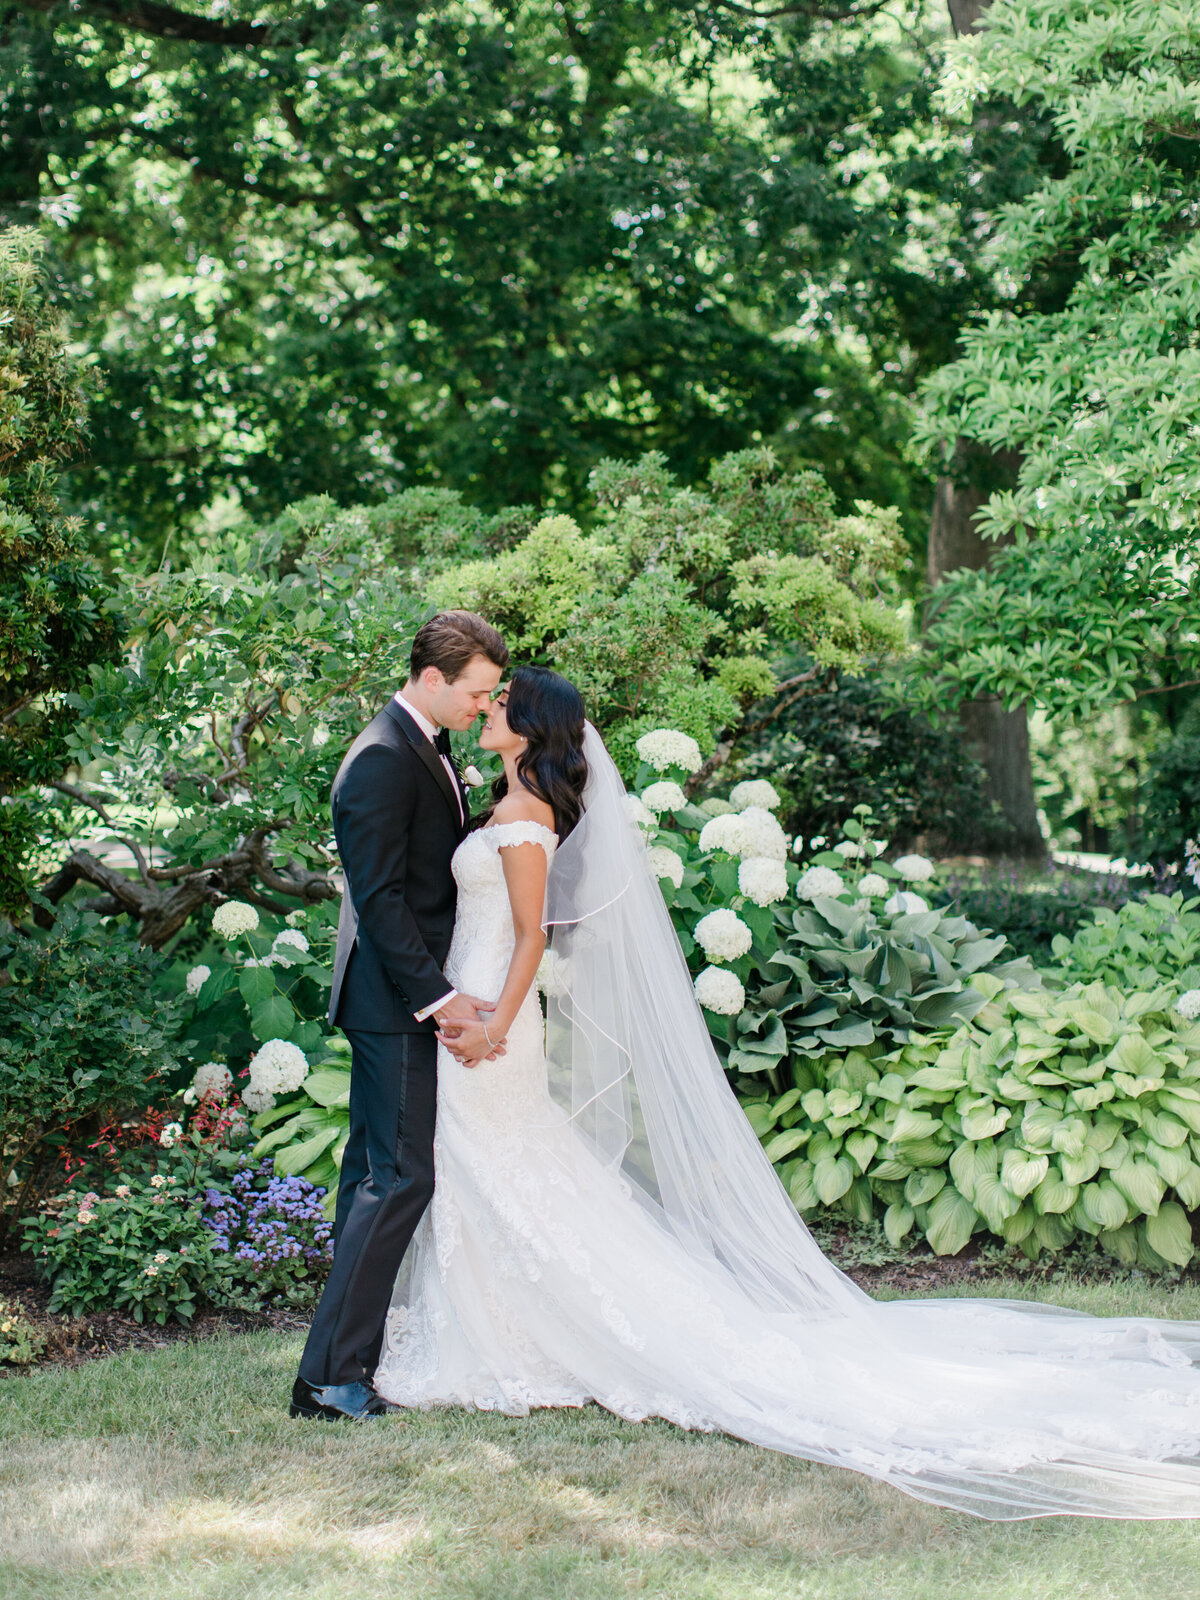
(998, 1408)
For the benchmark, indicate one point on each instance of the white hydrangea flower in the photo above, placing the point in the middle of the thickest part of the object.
(906, 903)
(171, 1134)
(850, 849)
(761, 835)
(820, 881)
(722, 833)
(257, 1100)
(639, 813)
(211, 1078)
(667, 747)
(914, 869)
(665, 863)
(720, 991)
(256, 961)
(296, 919)
(1188, 1005)
(290, 936)
(723, 936)
(714, 806)
(278, 1067)
(754, 792)
(665, 796)
(872, 884)
(196, 978)
(763, 880)
(553, 973)
(234, 918)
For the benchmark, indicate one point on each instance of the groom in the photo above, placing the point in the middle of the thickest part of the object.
(399, 813)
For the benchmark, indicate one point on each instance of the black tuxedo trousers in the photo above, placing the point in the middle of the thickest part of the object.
(397, 822)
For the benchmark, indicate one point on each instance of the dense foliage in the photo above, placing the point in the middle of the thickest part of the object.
(1094, 600)
(83, 1031)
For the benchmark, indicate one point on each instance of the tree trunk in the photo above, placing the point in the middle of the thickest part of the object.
(1000, 738)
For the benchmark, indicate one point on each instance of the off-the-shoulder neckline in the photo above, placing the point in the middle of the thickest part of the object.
(519, 822)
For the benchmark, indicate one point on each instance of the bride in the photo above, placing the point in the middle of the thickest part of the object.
(605, 1226)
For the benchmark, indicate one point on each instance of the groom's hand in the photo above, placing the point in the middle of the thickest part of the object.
(462, 1032)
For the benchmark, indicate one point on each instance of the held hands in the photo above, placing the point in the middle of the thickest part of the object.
(464, 1030)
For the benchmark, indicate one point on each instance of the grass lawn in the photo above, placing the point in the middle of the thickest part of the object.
(178, 1474)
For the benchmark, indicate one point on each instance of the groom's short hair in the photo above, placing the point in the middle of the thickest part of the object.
(452, 639)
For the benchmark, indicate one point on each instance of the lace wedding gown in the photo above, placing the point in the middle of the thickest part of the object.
(539, 1277)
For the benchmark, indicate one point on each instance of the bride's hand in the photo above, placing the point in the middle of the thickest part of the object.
(469, 1043)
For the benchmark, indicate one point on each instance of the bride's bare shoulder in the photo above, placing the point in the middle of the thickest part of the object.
(522, 806)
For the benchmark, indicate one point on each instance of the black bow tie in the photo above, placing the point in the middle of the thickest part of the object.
(441, 742)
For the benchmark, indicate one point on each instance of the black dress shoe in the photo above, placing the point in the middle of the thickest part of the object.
(335, 1401)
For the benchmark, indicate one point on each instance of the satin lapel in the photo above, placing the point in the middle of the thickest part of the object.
(422, 748)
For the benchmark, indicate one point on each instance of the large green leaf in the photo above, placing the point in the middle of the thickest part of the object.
(1170, 1234)
(897, 1224)
(328, 1086)
(1105, 1204)
(783, 1144)
(294, 1158)
(1140, 1183)
(951, 1222)
(923, 1185)
(256, 984)
(273, 1018)
(832, 1176)
(1021, 1172)
(217, 984)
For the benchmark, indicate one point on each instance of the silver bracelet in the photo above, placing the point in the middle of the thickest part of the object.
(487, 1035)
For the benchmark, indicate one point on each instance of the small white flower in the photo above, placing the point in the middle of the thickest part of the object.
(720, 991)
(667, 747)
(234, 918)
(256, 961)
(290, 936)
(872, 884)
(278, 1067)
(723, 936)
(257, 1099)
(158, 1181)
(754, 792)
(820, 881)
(914, 869)
(85, 1216)
(639, 813)
(319, 736)
(905, 903)
(1188, 1005)
(664, 863)
(122, 1191)
(196, 978)
(296, 919)
(472, 777)
(151, 1272)
(211, 1078)
(716, 807)
(171, 1134)
(665, 796)
(763, 880)
(850, 849)
(161, 1257)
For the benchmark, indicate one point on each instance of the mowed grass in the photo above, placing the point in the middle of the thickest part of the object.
(178, 1474)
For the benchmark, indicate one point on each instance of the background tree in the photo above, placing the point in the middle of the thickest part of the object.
(54, 617)
(1093, 598)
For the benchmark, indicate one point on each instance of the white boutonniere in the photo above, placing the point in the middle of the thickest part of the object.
(472, 777)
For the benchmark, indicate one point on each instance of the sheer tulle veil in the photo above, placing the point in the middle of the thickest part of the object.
(998, 1408)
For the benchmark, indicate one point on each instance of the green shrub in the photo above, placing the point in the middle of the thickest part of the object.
(20, 1342)
(306, 1135)
(1033, 909)
(82, 1033)
(1145, 943)
(1049, 1115)
(142, 1249)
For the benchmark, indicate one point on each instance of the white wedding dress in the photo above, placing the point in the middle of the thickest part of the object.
(545, 1275)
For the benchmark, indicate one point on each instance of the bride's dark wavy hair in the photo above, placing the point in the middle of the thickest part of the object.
(547, 710)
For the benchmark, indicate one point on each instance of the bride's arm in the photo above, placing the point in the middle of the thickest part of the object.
(525, 875)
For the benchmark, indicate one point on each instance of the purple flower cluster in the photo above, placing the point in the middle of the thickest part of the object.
(266, 1226)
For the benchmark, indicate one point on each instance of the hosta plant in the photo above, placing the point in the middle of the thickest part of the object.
(1050, 1114)
(306, 1135)
(1146, 942)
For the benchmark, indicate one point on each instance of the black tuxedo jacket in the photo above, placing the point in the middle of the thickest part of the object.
(397, 825)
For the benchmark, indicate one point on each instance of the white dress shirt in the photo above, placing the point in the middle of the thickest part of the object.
(429, 729)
